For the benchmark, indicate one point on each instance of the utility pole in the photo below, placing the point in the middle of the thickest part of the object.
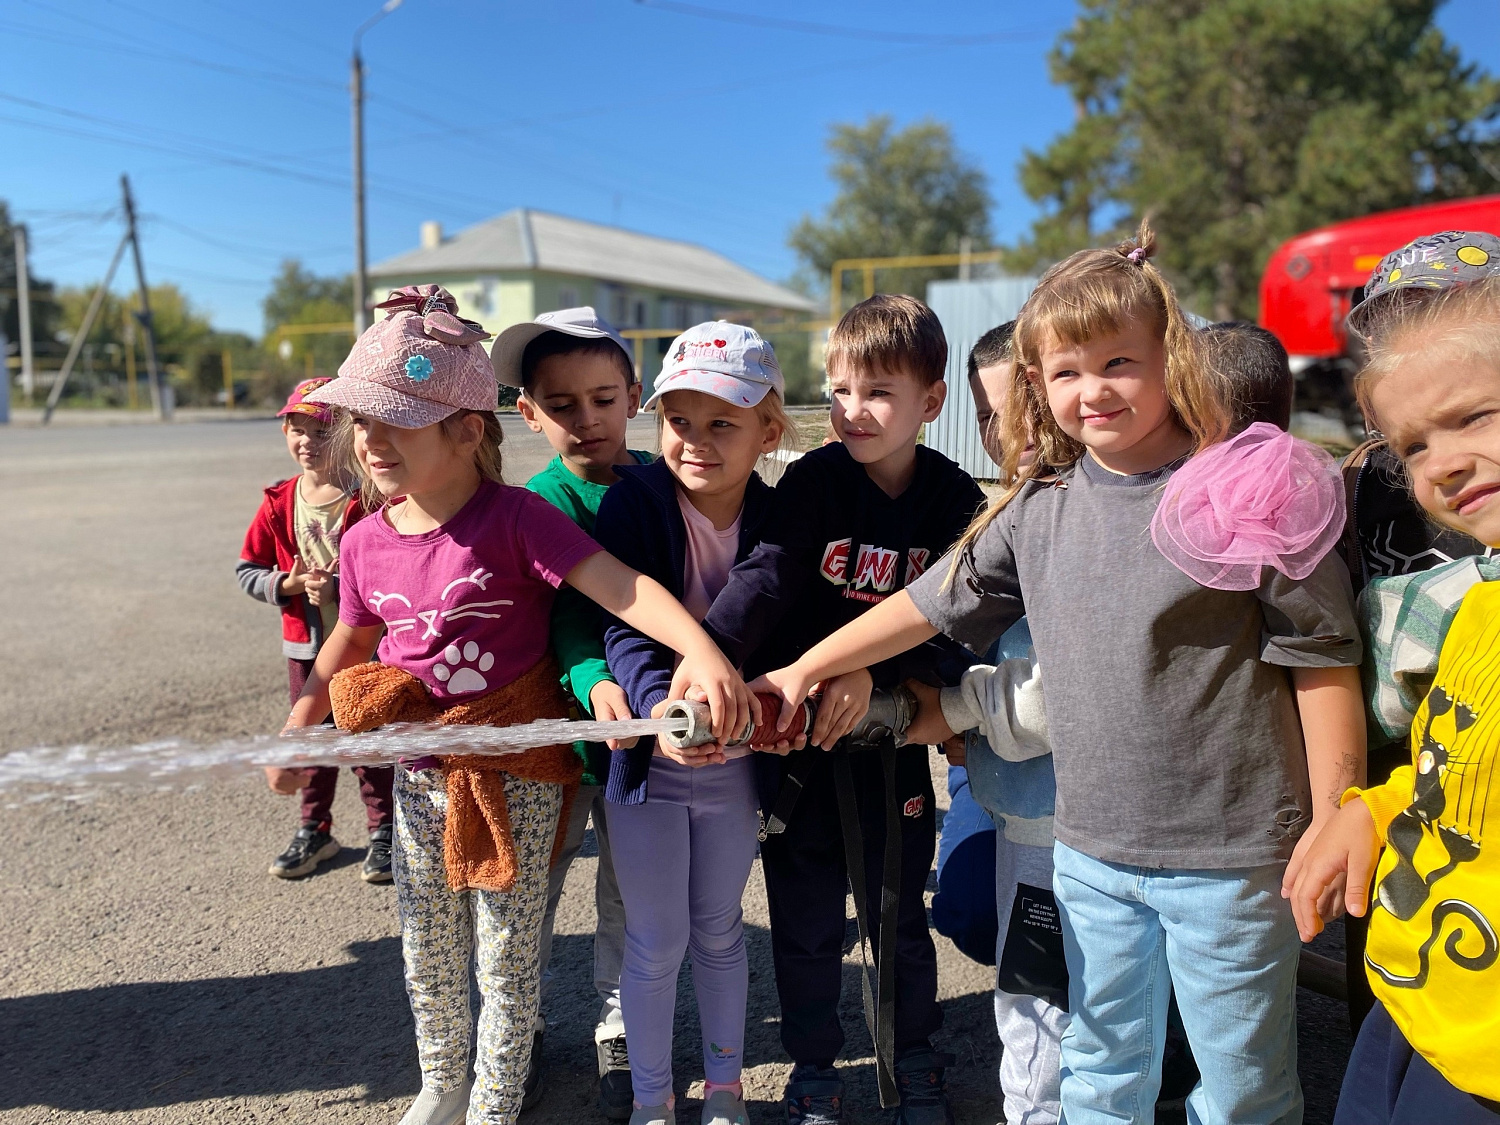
(159, 400)
(357, 94)
(23, 292)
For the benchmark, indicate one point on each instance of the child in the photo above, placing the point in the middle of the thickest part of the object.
(684, 827)
(290, 559)
(855, 521)
(1189, 767)
(453, 581)
(578, 389)
(1009, 766)
(1257, 373)
(1427, 1050)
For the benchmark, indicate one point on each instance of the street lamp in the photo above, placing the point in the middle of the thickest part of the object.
(357, 92)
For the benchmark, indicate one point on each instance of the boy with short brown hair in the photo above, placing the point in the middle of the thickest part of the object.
(855, 521)
(578, 390)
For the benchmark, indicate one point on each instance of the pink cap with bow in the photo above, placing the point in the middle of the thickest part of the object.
(420, 364)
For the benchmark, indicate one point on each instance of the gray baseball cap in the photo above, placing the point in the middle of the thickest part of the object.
(1432, 262)
(584, 322)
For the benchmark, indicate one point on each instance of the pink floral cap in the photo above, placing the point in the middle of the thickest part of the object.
(420, 364)
(1261, 498)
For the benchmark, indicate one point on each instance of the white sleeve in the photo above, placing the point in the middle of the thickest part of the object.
(1005, 702)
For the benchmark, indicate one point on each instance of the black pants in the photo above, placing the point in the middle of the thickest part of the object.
(806, 881)
(1387, 1083)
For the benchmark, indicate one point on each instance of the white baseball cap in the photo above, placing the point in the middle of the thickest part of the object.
(728, 361)
(584, 322)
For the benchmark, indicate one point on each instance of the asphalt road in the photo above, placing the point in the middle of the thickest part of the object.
(150, 970)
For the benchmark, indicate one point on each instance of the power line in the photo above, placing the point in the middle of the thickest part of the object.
(839, 30)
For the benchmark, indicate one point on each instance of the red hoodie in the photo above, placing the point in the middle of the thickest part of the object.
(270, 547)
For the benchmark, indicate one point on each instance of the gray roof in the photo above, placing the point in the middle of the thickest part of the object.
(525, 239)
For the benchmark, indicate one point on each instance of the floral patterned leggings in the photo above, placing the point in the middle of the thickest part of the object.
(442, 931)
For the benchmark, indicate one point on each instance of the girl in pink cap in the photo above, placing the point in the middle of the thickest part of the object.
(450, 583)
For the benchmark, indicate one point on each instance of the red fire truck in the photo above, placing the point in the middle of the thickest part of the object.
(1312, 280)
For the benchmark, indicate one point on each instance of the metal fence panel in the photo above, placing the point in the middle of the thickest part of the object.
(967, 310)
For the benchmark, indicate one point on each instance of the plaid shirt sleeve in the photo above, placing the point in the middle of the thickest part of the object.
(1404, 619)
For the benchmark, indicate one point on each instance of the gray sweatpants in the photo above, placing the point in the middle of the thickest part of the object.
(444, 931)
(609, 931)
(1030, 1028)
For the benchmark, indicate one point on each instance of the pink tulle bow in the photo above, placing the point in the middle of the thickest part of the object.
(1261, 498)
(439, 313)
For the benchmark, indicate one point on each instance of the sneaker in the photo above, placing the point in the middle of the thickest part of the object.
(434, 1108)
(723, 1108)
(653, 1115)
(616, 1092)
(531, 1089)
(923, 1088)
(814, 1096)
(309, 847)
(377, 865)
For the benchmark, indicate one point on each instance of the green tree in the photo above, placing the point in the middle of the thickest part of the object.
(1235, 124)
(188, 347)
(906, 191)
(44, 308)
(299, 296)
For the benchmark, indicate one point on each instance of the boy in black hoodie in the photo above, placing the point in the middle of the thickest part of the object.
(854, 522)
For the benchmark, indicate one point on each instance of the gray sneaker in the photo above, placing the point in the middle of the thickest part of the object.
(432, 1107)
(309, 847)
(723, 1108)
(653, 1115)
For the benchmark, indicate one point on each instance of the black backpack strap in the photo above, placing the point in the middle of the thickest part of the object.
(879, 1002)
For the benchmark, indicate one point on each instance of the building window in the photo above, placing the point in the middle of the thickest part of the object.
(567, 298)
(638, 313)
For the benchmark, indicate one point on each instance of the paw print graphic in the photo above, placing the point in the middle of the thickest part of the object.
(462, 672)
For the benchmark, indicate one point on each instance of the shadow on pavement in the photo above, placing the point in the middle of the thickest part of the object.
(134, 1046)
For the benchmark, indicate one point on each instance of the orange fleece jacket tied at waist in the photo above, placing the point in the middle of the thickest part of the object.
(478, 850)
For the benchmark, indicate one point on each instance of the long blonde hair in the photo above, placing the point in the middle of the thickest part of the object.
(1088, 294)
(487, 458)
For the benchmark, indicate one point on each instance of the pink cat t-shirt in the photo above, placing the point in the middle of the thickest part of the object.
(466, 607)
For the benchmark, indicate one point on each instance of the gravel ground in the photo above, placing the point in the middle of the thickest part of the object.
(152, 971)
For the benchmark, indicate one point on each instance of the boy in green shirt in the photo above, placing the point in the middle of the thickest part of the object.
(578, 389)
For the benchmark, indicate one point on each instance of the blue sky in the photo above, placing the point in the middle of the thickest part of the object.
(232, 119)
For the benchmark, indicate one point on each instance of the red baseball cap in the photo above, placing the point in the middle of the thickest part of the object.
(296, 402)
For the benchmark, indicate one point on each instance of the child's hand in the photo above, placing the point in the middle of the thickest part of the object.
(709, 754)
(845, 700)
(294, 581)
(1345, 849)
(607, 701)
(287, 782)
(730, 703)
(792, 685)
(955, 751)
(928, 727)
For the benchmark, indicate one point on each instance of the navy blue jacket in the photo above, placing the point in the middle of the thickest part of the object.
(835, 545)
(640, 524)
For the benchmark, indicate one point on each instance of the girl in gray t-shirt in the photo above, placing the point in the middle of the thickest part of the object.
(1203, 728)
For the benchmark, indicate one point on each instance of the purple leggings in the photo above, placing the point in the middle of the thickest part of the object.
(682, 860)
(317, 794)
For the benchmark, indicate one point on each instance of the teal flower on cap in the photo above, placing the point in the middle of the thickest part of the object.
(418, 368)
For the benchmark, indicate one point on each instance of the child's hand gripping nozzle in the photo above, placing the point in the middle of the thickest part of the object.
(889, 715)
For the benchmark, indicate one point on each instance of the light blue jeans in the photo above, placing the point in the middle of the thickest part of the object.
(1225, 941)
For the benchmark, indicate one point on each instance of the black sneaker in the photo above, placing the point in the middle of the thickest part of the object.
(616, 1091)
(309, 847)
(922, 1087)
(377, 865)
(531, 1089)
(814, 1096)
